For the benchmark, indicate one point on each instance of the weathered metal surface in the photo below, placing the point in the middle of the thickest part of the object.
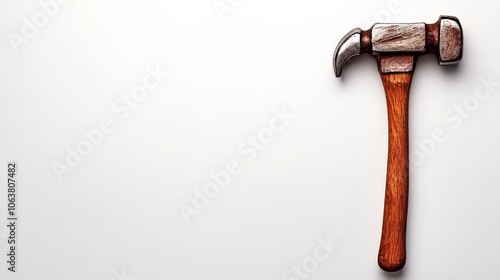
(388, 37)
(450, 42)
(348, 47)
(396, 63)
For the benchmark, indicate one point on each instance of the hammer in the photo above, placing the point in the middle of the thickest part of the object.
(396, 48)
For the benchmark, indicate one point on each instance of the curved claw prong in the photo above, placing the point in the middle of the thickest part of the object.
(348, 47)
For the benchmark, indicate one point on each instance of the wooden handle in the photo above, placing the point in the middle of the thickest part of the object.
(392, 252)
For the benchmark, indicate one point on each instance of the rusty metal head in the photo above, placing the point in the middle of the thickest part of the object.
(397, 45)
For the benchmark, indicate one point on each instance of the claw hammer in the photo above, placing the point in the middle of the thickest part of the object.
(396, 47)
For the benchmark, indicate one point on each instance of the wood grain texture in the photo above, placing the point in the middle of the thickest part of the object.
(392, 252)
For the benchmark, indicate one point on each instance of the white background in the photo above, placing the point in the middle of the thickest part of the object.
(116, 216)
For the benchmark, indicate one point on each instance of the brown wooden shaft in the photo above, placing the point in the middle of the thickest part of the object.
(392, 252)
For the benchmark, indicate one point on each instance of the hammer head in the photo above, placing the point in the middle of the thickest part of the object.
(396, 46)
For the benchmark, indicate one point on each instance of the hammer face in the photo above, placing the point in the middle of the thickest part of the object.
(450, 41)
